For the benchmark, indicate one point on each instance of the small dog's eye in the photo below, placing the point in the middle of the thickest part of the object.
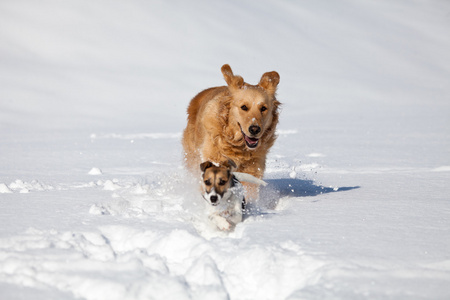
(222, 182)
(244, 107)
(207, 182)
(263, 108)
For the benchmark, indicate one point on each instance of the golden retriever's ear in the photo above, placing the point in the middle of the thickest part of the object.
(233, 81)
(205, 165)
(269, 81)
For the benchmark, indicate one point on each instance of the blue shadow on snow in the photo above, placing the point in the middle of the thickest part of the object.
(270, 195)
(300, 188)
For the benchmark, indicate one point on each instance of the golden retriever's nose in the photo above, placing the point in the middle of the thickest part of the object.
(254, 129)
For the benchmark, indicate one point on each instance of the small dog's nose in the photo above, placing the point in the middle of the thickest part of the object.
(213, 199)
(254, 129)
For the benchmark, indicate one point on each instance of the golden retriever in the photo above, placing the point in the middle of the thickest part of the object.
(236, 122)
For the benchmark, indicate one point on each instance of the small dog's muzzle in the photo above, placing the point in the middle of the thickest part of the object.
(214, 199)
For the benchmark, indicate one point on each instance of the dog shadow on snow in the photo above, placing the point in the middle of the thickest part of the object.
(287, 187)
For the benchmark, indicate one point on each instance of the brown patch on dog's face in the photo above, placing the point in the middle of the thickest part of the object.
(216, 181)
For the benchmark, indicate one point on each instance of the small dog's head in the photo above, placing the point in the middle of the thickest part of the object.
(217, 179)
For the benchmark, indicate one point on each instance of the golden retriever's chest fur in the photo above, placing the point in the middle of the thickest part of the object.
(234, 122)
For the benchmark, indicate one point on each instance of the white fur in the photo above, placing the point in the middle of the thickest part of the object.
(228, 212)
(207, 196)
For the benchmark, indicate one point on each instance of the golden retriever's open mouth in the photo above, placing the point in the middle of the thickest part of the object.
(249, 141)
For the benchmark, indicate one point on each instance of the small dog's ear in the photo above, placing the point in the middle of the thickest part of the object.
(231, 165)
(205, 165)
(269, 81)
(233, 81)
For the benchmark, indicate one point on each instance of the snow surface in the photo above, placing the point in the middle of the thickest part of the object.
(94, 200)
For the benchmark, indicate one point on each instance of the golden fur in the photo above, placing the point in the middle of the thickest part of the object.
(234, 122)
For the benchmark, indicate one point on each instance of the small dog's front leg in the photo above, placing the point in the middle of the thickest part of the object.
(220, 222)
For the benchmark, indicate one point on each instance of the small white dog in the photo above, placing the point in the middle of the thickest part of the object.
(223, 191)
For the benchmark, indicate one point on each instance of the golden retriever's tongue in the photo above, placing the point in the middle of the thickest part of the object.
(251, 141)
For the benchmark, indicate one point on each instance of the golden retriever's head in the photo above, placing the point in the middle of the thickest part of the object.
(253, 107)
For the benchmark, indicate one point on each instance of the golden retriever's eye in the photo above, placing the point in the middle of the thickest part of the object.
(207, 182)
(263, 109)
(244, 107)
(222, 182)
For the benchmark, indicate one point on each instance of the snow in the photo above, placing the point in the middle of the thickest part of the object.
(94, 200)
(95, 171)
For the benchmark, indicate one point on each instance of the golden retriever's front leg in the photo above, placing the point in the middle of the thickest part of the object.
(256, 168)
(210, 153)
